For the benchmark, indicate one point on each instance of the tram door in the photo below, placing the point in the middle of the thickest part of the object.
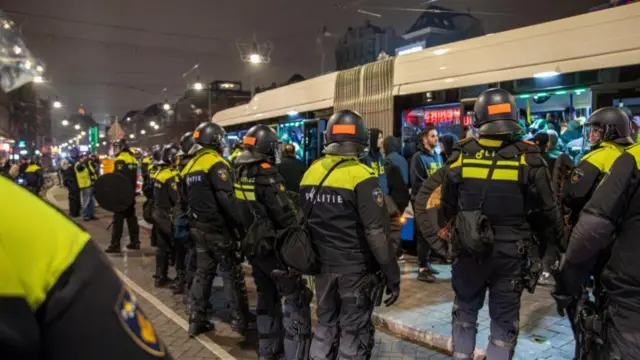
(313, 140)
(466, 115)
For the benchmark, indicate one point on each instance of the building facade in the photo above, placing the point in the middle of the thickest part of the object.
(362, 45)
(438, 26)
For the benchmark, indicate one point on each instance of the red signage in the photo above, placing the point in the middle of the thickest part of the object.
(436, 116)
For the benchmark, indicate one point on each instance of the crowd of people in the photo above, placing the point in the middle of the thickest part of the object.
(489, 203)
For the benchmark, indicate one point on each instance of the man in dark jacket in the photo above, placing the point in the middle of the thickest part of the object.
(428, 212)
(291, 169)
(397, 170)
(424, 163)
(374, 158)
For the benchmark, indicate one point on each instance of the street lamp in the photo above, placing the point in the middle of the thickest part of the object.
(83, 133)
(77, 127)
(57, 104)
(166, 106)
(198, 86)
(131, 136)
(65, 122)
(142, 132)
(255, 58)
(152, 123)
(38, 79)
(156, 127)
(104, 143)
(128, 119)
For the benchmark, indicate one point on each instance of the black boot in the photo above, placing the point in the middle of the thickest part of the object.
(179, 286)
(113, 249)
(197, 327)
(162, 281)
(133, 246)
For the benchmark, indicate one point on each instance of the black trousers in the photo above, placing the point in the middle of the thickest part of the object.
(344, 329)
(75, 203)
(132, 223)
(621, 335)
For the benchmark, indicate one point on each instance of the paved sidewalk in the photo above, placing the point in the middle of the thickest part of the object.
(138, 266)
(423, 315)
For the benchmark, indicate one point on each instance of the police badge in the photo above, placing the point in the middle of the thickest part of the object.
(222, 174)
(378, 196)
(137, 325)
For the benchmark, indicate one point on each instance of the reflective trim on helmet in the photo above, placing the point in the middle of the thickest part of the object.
(248, 140)
(499, 109)
(343, 129)
(196, 134)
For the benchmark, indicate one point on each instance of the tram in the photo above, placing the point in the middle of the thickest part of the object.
(565, 68)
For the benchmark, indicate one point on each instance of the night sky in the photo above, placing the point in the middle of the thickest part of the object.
(143, 46)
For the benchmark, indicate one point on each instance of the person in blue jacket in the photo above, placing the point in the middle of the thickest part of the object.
(424, 163)
(397, 171)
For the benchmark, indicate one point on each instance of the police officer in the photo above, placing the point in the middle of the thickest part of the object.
(84, 176)
(349, 226)
(237, 149)
(186, 245)
(70, 181)
(60, 295)
(493, 180)
(165, 195)
(34, 176)
(612, 210)
(214, 217)
(608, 135)
(126, 165)
(147, 190)
(260, 187)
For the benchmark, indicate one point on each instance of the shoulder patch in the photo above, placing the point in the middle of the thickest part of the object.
(576, 175)
(223, 174)
(136, 324)
(378, 196)
(282, 188)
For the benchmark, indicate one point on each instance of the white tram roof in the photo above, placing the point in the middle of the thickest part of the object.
(602, 39)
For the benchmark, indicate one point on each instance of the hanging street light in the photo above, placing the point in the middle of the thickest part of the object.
(65, 122)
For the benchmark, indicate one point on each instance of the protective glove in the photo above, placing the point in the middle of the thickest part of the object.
(393, 290)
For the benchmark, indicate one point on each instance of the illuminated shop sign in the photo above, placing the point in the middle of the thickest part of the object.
(441, 115)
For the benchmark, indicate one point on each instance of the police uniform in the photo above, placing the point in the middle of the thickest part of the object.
(126, 165)
(348, 226)
(59, 294)
(34, 178)
(165, 194)
(266, 207)
(234, 154)
(613, 210)
(85, 181)
(191, 262)
(144, 168)
(503, 180)
(213, 212)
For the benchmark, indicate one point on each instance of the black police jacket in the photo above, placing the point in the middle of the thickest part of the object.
(208, 192)
(614, 209)
(586, 176)
(292, 171)
(349, 221)
(165, 188)
(519, 185)
(261, 191)
(59, 294)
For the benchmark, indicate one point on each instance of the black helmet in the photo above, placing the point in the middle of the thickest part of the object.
(496, 113)
(156, 153)
(346, 134)
(74, 153)
(120, 144)
(186, 143)
(613, 123)
(261, 143)
(210, 135)
(169, 153)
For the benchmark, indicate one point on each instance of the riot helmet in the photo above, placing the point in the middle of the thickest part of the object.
(156, 153)
(186, 143)
(74, 153)
(495, 113)
(168, 154)
(209, 135)
(609, 124)
(346, 134)
(261, 143)
(120, 145)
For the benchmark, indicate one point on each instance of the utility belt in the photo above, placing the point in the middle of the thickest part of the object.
(589, 320)
(531, 267)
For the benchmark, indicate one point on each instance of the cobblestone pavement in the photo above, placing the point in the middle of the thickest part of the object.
(138, 266)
